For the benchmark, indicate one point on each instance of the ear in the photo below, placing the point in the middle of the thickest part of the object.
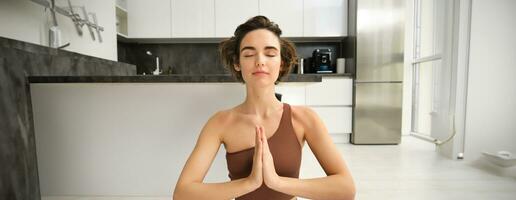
(237, 67)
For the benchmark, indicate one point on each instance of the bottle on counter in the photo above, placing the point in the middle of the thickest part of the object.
(341, 65)
(157, 71)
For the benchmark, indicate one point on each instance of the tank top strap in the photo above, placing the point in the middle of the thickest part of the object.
(288, 116)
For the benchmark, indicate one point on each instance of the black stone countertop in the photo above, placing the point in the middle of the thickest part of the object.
(176, 78)
(19, 60)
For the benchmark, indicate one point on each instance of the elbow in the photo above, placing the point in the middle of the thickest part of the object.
(349, 191)
(183, 191)
(177, 194)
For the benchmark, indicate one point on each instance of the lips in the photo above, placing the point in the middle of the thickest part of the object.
(259, 72)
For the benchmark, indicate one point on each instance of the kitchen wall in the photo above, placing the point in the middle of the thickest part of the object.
(491, 92)
(28, 21)
(201, 58)
(483, 88)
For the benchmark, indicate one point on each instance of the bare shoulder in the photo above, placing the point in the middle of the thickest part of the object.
(305, 121)
(221, 116)
(216, 121)
(303, 114)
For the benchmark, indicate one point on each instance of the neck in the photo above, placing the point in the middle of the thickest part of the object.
(261, 101)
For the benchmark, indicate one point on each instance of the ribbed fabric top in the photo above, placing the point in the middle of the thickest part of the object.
(286, 152)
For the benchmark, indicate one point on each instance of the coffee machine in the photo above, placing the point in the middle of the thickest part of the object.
(321, 61)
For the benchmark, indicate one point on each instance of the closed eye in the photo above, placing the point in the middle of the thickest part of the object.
(271, 52)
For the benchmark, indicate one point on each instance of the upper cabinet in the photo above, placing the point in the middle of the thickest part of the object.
(220, 18)
(288, 14)
(231, 13)
(121, 18)
(149, 19)
(325, 18)
(193, 18)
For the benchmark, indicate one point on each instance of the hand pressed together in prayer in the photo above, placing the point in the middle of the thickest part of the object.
(263, 163)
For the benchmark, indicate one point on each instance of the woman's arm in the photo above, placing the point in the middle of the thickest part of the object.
(190, 184)
(338, 184)
(330, 187)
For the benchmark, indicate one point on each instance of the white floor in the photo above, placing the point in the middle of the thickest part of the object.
(411, 170)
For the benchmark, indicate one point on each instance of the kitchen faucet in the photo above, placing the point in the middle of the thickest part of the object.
(157, 71)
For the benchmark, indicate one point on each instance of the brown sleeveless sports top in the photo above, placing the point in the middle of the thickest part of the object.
(286, 152)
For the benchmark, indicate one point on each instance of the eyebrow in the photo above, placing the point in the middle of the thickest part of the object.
(252, 48)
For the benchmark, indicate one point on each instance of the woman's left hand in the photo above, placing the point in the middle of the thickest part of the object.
(270, 177)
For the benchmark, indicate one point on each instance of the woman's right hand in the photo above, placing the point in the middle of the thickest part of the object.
(256, 176)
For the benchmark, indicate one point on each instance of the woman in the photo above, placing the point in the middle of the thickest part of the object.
(263, 137)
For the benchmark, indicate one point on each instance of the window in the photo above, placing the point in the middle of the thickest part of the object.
(429, 31)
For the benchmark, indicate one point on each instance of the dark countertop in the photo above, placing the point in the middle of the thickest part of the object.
(18, 61)
(176, 78)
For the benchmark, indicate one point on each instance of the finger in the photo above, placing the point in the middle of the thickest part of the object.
(257, 134)
(258, 139)
(265, 142)
(262, 133)
(258, 145)
(259, 142)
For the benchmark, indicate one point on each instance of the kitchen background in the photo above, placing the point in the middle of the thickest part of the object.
(80, 122)
(203, 58)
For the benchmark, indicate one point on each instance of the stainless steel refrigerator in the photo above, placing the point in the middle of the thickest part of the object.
(379, 72)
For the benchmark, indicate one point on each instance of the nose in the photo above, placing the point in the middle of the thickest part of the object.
(260, 60)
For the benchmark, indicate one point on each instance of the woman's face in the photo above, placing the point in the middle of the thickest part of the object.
(260, 57)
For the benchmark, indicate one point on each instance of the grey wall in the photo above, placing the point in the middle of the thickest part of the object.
(18, 60)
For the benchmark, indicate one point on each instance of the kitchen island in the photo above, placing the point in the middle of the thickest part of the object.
(100, 125)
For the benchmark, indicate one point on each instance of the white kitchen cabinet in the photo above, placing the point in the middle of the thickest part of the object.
(121, 20)
(219, 18)
(148, 19)
(334, 91)
(325, 18)
(292, 93)
(288, 14)
(231, 13)
(337, 119)
(332, 100)
(193, 18)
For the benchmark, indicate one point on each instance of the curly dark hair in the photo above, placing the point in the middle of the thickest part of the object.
(229, 49)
